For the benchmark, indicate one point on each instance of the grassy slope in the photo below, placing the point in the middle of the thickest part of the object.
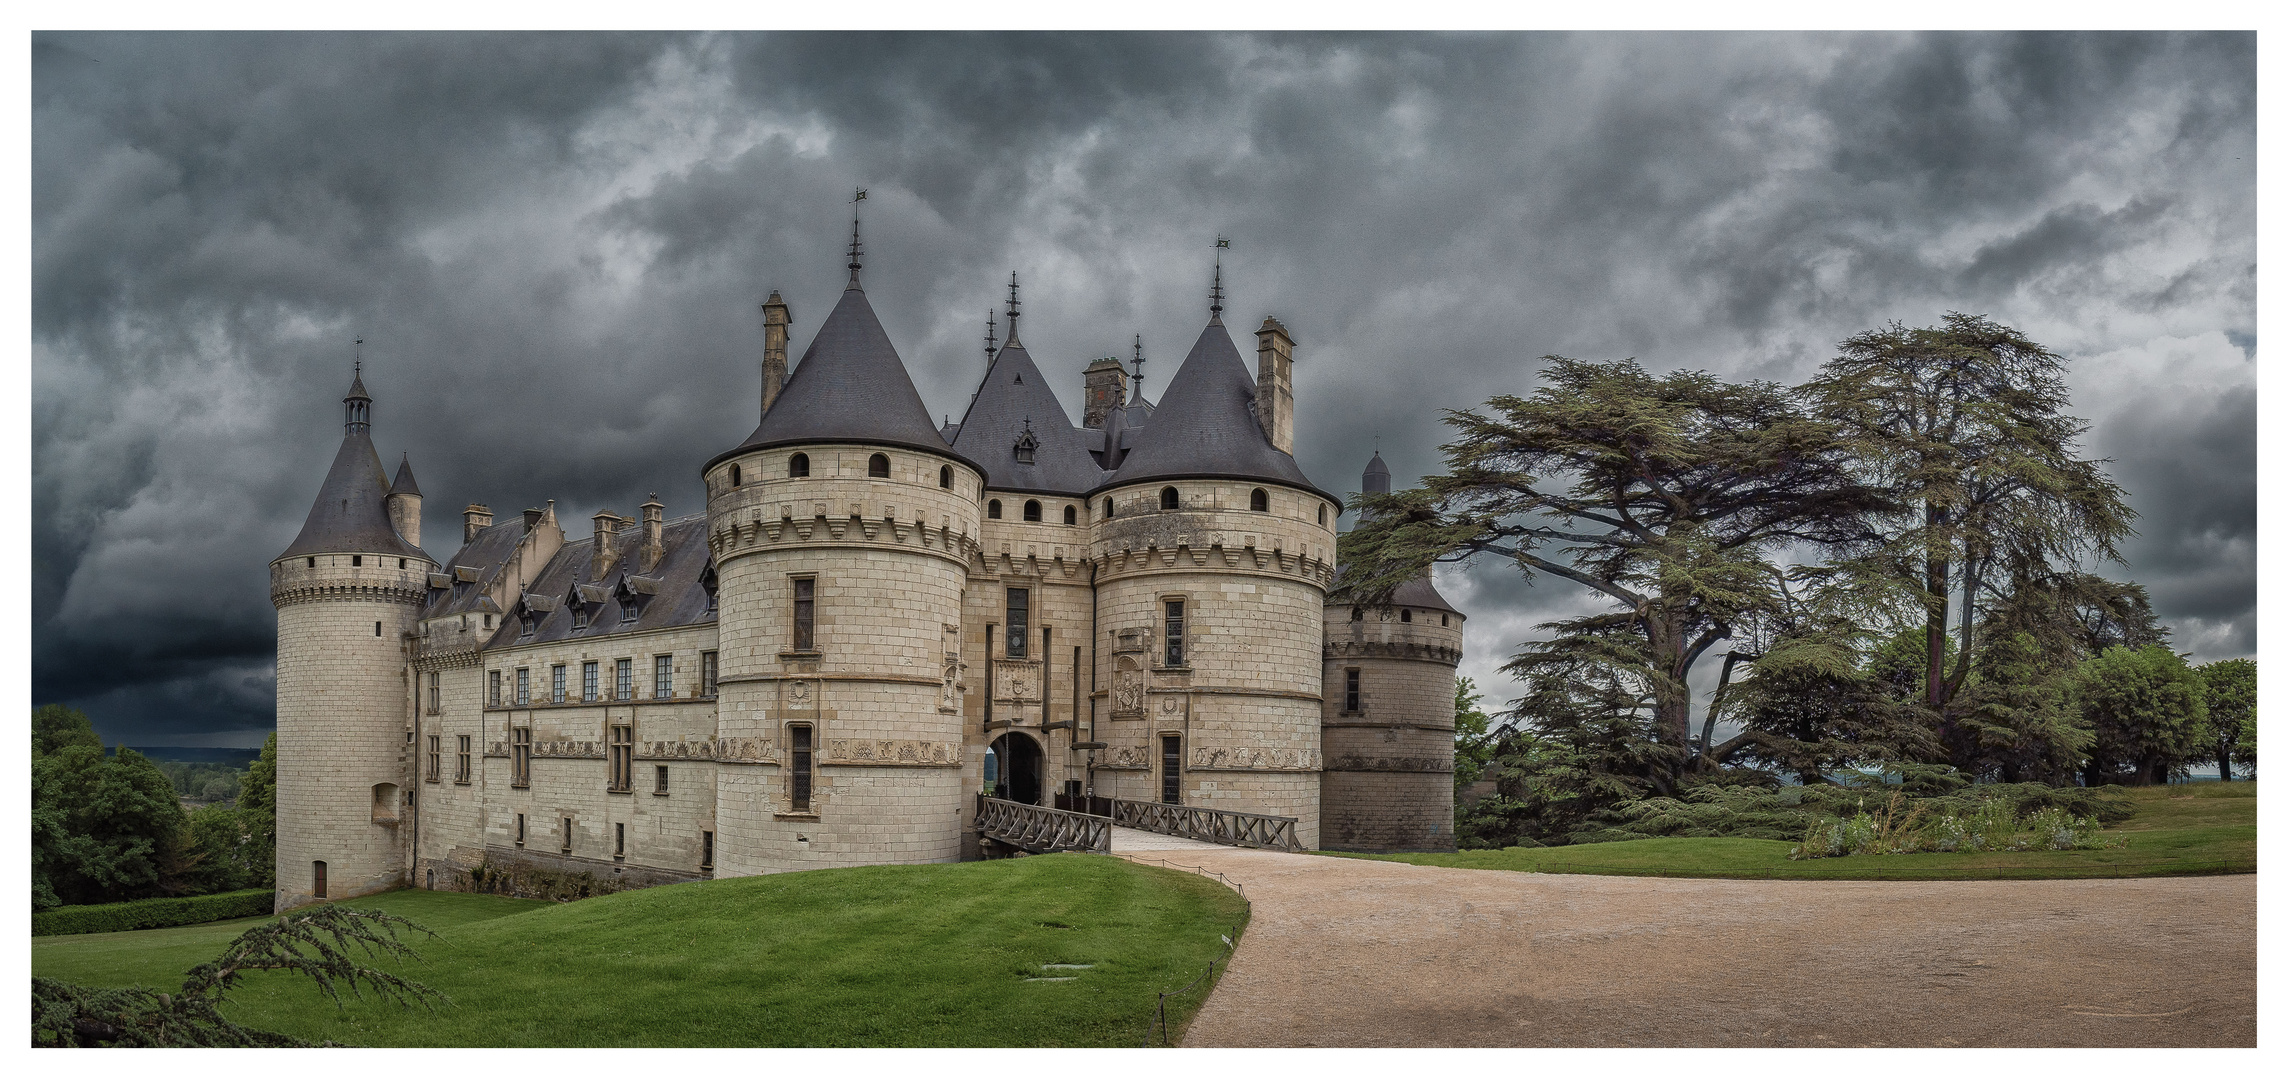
(2179, 829)
(873, 956)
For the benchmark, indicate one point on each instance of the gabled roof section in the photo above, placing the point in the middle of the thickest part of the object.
(473, 569)
(1206, 425)
(675, 593)
(350, 513)
(1013, 400)
(849, 387)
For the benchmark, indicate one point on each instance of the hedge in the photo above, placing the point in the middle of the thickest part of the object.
(151, 914)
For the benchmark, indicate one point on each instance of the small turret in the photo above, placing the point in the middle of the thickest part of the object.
(405, 501)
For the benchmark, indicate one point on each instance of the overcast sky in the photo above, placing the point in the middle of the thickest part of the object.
(554, 247)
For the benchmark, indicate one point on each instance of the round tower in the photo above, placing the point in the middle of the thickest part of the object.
(348, 593)
(841, 531)
(1388, 716)
(1213, 553)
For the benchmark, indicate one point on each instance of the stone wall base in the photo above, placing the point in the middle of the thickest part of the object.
(542, 875)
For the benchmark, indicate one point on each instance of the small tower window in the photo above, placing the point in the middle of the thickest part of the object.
(1069, 515)
(1033, 510)
(799, 465)
(401, 564)
(1257, 500)
(357, 560)
(879, 466)
(311, 562)
(1407, 615)
(1109, 509)
(1324, 513)
(994, 508)
(1443, 618)
(735, 476)
(946, 476)
(1169, 498)
(377, 629)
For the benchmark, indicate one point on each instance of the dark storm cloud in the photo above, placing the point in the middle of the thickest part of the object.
(554, 246)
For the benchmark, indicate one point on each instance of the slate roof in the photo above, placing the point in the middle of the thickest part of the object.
(849, 387)
(1419, 593)
(404, 484)
(1014, 398)
(675, 593)
(473, 569)
(349, 514)
(1376, 477)
(1206, 425)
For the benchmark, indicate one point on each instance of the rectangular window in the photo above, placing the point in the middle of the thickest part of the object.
(525, 686)
(461, 760)
(660, 779)
(708, 674)
(1352, 689)
(521, 757)
(1173, 635)
(557, 683)
(588, 680)
(799, 768)
(566, 832)
(434, 696)
(1172, 769)
(520, 830)
(493, 688)
(620, 839)
(318, 880)
(435, 759)
(707, 850)
(663, 686)
(803, 615)
(620, 751)
(624, 679)
(1014, 631)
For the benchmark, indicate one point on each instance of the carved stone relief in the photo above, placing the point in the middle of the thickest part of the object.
(1017, 680)
(1255, 758)
(1129, 686)
(892, 752)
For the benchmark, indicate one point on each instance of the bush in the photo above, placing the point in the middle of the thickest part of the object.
(151, 914)
(1993, 826)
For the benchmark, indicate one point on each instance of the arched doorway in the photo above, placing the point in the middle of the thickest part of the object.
(1018, 769)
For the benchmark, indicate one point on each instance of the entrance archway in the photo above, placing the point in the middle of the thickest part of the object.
(1018, 769)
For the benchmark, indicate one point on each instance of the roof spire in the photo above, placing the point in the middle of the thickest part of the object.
(1217, 282)
(855, 201)
(990, 337)
(356, 405)
(1137, 356)
(1013, 312)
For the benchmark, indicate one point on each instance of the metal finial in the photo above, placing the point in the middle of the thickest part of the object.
(856, 199)
(1013, 312)
(1137, 355)
(1217, 280)
(990, 336)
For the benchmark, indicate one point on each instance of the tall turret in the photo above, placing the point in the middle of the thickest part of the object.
(1388, 716)
(841, 529)
(348, 592)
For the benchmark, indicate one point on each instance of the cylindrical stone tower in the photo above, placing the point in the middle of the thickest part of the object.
(1213, 554)
(1388, 727)
(348, 593)
(841, 530)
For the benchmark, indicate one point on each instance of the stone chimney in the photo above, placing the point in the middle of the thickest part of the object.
(775, 349)
(1276, 403)
(475, 517)
(605, 552)
(648, 556)
(1102, 385)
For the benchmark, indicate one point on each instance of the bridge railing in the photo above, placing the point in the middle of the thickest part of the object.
(1215, 826)
(1042, 829)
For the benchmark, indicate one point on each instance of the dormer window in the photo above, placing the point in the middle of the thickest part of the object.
(1026, 444)
(799, 465)
(879, 466)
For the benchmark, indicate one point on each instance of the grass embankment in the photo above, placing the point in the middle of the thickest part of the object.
(931, 955)
(2179, 829)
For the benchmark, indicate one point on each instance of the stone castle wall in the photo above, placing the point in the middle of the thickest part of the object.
(1390, 763)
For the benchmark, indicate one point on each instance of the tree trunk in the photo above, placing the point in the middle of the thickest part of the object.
(1936, 608)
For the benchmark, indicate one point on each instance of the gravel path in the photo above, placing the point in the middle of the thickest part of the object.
(1349, 952)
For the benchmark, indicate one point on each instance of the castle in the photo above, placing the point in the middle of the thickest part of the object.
(875, 619)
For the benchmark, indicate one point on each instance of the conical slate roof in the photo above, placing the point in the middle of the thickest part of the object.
(1376, 477)
(404, 484)
(350, 515)
(1206, 425)
(850, 387)
(1012, 399)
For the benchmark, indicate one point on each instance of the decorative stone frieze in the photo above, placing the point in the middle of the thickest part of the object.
(909, 752)
(1255, 759)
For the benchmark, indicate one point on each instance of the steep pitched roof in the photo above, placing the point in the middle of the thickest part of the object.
(404, 483)
(675, 593)
(473, 569)
(1206, 425)
(1377, 477)
(349, 514)
(849, 387)
(1014, 398)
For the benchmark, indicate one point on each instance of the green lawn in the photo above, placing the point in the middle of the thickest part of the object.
(934, 955)
(2210, 828)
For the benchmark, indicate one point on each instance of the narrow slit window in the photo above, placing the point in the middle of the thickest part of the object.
(1109, 509)
(521, 757)
(735, 476)
(1173, 633)
(461, 759)
(620, 839)
(707, 850)
(1352, 690)
(520, 830)
(804, 641)
(1014, 643)
(799, 768)
(708, 674)
(660, 779)
(565, 826)
(946, 480)
(318, 879)
(493, 688)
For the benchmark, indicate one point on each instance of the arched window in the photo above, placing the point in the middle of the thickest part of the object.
(879, 466)
(1109, 509)
(1033, 510)
(1324, 513)
(994, 508)
(1169, 498)
(946, 476)
(735, 476)
(1069, 514)
(1257, 500)
(799, 465)
(1407, 616)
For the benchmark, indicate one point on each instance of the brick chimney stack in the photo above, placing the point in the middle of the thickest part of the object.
(603, 555)
(1276, 402)
(775, 349)
(1102, 385)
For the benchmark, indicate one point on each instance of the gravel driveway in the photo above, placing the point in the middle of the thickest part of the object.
(1348, 952)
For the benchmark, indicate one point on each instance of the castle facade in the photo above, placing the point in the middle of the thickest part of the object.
(873, 620)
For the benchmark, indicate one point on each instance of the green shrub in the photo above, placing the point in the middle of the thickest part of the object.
(1992, 826)
(151, 914)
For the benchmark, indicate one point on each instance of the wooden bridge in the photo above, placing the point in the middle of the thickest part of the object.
(1229, 827)
(1041, 829)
